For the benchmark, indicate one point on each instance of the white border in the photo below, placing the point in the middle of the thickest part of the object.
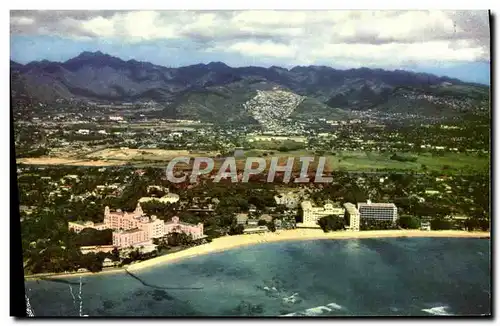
(256, 4)
(190, 4)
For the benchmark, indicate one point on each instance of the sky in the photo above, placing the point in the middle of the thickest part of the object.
(452, 43)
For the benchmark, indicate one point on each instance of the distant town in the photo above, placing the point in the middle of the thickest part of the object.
(94, 191)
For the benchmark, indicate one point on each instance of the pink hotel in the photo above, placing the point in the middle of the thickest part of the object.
(135, 228)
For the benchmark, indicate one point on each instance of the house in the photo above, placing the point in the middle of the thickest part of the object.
(458, 217)
(107, 262)
(425, 226)
(253, 222)
(95, 249)
(290, 200)
(78, 226)
(242, 218)
(169, 198)
(266, 217)
(255, 229)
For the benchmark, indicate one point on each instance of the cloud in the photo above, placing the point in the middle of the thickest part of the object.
(266, 49)
(304, 37)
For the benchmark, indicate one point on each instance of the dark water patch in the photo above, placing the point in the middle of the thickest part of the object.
(245, 308)
(161, 287)
(108, 304)
(160, 295)
(357, 277)
(56, 280)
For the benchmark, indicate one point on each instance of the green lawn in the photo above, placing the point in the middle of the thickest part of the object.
(372, 161)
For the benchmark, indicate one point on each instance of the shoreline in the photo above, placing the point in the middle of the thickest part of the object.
(237, 241)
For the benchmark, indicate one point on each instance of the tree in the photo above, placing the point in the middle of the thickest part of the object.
(92, 262)
(331, 223)
(271, 226)
(440, 224)
(179, 239)
(372, 224)
(472, 224)
(283, 149)
(91, 237)
(236, 229)
(115, 253)
(408, 222)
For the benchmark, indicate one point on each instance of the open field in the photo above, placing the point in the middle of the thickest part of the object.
(67, 161)
(346, 160)
(368, 161)
(146, 154)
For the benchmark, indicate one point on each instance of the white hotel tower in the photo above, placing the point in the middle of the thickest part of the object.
(312, 214)
(378, 211)
(352, 215)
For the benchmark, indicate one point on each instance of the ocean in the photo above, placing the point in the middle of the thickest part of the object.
(355, 277)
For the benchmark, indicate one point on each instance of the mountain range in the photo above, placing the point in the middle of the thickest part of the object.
(216, 91)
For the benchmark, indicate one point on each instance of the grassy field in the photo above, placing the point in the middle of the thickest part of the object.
(361, 161)
(347, 160)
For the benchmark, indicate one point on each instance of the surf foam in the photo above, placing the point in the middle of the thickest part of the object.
(438, 311)
(316, 311)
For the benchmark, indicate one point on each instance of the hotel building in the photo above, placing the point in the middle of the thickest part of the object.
(378, 211)
(77, 227)
(175, 225)
(311, 214)
(127, 238)
(352, 215)
(136, 228)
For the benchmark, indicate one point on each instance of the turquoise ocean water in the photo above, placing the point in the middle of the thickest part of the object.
(363, 277)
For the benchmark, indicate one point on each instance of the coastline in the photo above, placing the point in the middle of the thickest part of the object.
(35, 277)
(231, 242)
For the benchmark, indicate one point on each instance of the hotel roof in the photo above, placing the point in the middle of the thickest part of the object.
(129, 231)
(388, 205)
(351, 208)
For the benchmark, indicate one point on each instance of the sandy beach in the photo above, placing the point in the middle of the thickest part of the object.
(229, 242)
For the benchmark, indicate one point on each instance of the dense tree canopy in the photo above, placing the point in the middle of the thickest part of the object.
(331, 223)
(408, 222)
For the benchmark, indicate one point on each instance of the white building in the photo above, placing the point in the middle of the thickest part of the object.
(378, 211)
(169, 198)
(311, 214)
(353, 217)
(290, 200)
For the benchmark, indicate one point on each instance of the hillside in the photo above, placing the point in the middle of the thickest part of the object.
(216, 91)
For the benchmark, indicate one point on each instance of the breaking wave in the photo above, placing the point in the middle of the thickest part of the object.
(316, 311)
(438, 311)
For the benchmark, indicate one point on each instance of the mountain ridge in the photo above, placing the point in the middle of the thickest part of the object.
(100, 55)
(96, 76)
